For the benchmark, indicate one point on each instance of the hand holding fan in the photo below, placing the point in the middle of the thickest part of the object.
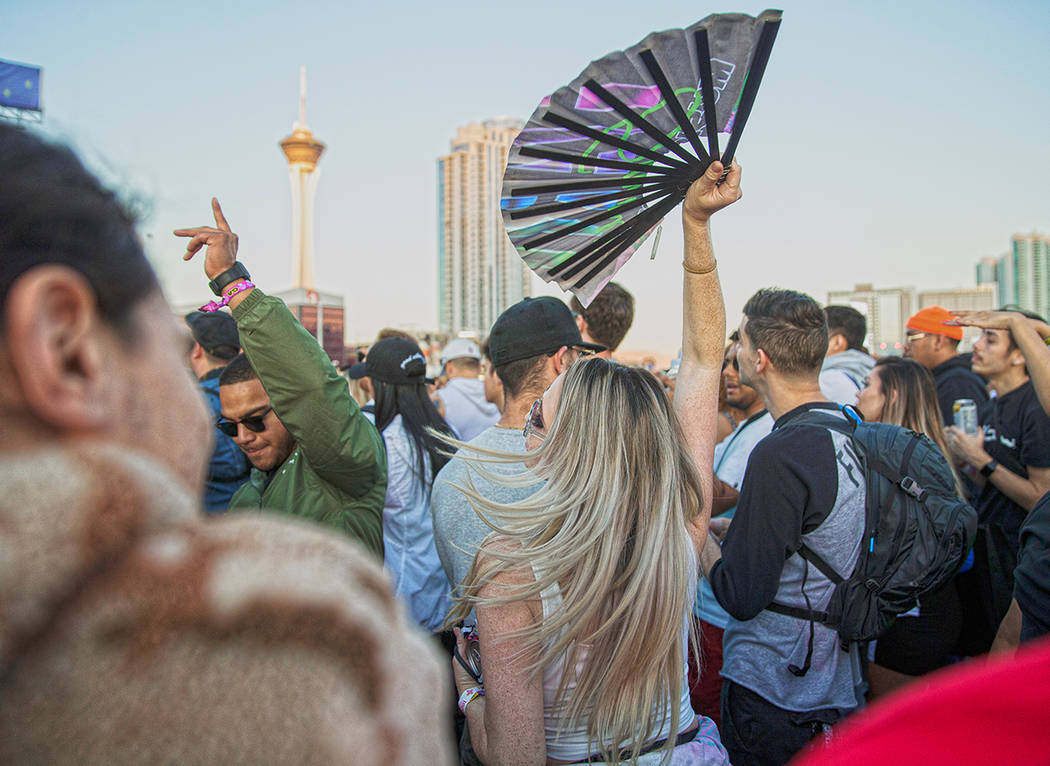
(603, 160)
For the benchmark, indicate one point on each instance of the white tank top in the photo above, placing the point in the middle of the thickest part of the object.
(571, 744)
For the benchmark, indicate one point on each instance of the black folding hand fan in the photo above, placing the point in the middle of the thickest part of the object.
(603, 160)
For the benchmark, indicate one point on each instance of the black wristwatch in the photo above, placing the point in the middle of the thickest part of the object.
(987, 468)
(228, 277)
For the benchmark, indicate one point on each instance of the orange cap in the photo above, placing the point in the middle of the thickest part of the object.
(931, 319)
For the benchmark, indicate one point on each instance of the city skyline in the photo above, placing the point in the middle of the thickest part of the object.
(887, 310)
(856, 169)
(1022, 274)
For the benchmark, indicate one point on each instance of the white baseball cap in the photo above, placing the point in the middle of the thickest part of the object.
(460, 348)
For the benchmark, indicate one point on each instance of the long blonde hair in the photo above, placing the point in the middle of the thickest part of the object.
(609, 528)
(911, 401)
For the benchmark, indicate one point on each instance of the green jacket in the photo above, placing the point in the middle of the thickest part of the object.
(337, 472)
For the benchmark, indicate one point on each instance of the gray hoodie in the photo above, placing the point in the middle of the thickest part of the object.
(842, 375)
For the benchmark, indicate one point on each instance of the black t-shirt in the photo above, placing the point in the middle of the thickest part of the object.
(790, 487)
(1032, 576)
(955, 380)
(1017, 434)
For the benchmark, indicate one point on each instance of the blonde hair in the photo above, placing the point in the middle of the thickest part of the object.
(609, 528)
(911, 401)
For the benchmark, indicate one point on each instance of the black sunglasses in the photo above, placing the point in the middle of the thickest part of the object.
(534, 421)
(253, 423)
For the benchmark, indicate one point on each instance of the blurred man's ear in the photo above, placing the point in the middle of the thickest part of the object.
(561, 364)
(762, 362)
(836, 344)
(55, 340)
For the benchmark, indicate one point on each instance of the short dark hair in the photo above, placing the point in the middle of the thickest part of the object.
(1025, 313)
(523, 374)
(54, 211)
(609, 316)
(847, 322)
(238, 370)
(790, 327)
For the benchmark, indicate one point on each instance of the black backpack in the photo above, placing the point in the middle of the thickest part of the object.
(917, 531)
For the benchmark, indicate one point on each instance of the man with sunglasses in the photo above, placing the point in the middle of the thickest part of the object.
(314, 455)
(935, 346)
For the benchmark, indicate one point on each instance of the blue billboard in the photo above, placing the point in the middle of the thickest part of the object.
(19, 86)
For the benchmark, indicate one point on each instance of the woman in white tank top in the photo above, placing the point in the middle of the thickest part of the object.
(583, 592)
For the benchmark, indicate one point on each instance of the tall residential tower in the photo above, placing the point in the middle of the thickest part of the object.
(479, 271)
(1022, 275)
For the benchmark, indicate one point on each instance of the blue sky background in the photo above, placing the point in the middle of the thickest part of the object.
(893, 143)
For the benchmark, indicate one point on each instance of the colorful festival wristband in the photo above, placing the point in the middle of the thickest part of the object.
(227, 294)
(468, 696)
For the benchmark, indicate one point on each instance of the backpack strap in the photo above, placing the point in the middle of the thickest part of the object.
(799, 613)
(846, 427)
(809, 614)
(825, 568)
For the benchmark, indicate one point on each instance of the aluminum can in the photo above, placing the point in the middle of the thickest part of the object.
(964, 415)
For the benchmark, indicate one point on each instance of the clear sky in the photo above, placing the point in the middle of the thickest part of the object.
(892, 142)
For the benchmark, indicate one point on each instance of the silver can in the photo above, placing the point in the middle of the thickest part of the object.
(964, 414)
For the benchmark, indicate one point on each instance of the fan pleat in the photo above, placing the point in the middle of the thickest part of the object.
(638, 121)
(707, 90)
(755, 72)
(673, 104)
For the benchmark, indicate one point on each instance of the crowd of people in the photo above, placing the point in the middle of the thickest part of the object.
(548, 558)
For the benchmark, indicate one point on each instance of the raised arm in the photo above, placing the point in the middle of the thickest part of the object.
(307, 393)
(1031, 337)
(703, 329)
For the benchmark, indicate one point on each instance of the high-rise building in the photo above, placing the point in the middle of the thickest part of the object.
(887, 310)
(322, 313)
(1031, 272)
(1022, 275)
(988, 271)
(479, 271)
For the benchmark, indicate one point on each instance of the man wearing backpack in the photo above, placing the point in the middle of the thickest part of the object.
(786, 679)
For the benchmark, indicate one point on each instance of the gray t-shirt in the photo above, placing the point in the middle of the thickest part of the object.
(458, 531)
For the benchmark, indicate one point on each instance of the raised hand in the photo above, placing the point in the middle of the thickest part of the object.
(220, 241)
(707, 195)
(988, 320)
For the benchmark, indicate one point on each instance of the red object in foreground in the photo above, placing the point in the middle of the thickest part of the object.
(992, 711)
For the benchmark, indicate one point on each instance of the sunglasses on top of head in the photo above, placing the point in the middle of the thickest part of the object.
(254, 423)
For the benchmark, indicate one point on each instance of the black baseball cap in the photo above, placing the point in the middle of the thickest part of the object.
(532, 327)
(395, 360)
(216, 331)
